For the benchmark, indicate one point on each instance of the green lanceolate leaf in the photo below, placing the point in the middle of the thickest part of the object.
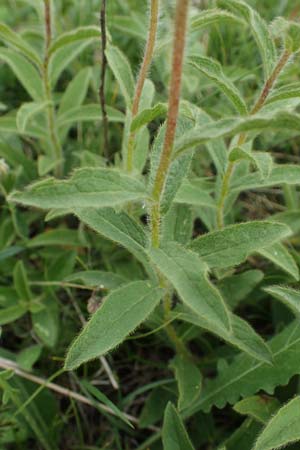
(259, 30)
(27, 112)
(286, 92)
(288, 296)
(280, 174)
(88, 33)
(282, 429)
(213, 16)
(21, 283)
(12, 38)
(189, 381)
(86, 188)
(188, 274)
(97, 279)
(121, 313)
(232, 126)
(280, 256)
(260, 408)
(174, 435)
(241, 336)
(233, 244)
(26, 73)
(213, 70)
(245, 376)
(76, 91)
(147, 115)
(122, 71)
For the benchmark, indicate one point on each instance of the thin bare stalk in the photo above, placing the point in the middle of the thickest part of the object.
(7, 364)
(173, 107)
(47, 89)
(268, 86)
(103, 76)
(148, 56)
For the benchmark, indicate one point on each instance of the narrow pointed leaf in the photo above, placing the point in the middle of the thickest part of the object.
(279, 255)
(87, 113)
(147, 115)
(282, 429)
(213, 16)
(259, 30)
(189, 381)
(242, 336)
(87, 187)
(12, 38)
(26, 73)
(288, 296)
(27, 112)
(262, 160)
(122, 71)
(174, 435)
(235, 243)
(188, 274)
(213, 70)
(87, 33)
(120, 314)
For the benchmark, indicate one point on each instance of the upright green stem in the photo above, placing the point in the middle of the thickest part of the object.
(48, 95)
(148, 56)
(269, 84)
(103, 76)
(173, 107)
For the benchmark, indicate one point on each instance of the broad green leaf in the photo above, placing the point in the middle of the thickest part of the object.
(21, 283)
(213, 70)
(288, 296)
(192, 193)
(86, 113)
(86, 188)
(241, 336)
(232, 126)
(87, 33)
(188, 274)
(120, 314)
(97, 279)
(259, 30)
(59, 236)
(27, 112)
(261, 160)
(279, 255)
(213, 16)
(245, 376)
(260, 408)
(174, 435)
(8, 125)
(282, 429)
(147, 115)
(122, 71)
(189, 381)
(280, 174)
(25, 72)
(233, 244)
(12, 38)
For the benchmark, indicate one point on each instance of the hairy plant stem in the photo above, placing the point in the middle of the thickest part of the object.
(48, 94)
(173, 107)
(165, 159)
(148, 56)
(103, 75)
(269, 84)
